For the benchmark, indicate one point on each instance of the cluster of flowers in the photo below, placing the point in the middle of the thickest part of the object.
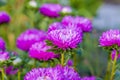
(65, 35)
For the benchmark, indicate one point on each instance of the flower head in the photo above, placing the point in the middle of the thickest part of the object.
(4, 56)
(110, 38)
(4, 17)
(29, 37)
(80, 22)
(50, 9)
(2, 44)
(65, 38)
(56, 73)
(39, 51)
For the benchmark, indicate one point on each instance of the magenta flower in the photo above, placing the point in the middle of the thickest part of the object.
(4, 17)
(113, 54)
(50, 9)
(29, 37)
(110, 38)
(2, 44)
(10, 70)
(89, 78)
(80, 22)
(39, 51)
(65, 38)
(56, 73)
(4, 56)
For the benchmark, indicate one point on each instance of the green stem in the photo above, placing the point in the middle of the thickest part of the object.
(113, 67)
(67, 59)
(2, 73)
(62, 59)
(19, 75)
(108, 68)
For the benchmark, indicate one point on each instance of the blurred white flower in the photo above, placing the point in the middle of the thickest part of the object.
(17, 61)
(33, 3)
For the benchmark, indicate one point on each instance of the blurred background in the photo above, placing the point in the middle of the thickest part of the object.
(91, 59)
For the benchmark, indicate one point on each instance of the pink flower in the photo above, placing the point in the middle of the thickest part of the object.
(65, 38)
(4, 17)
(81, 22)
(55, 73)
(50, 9)
(29, 37)
(110, 38)
(39, 51)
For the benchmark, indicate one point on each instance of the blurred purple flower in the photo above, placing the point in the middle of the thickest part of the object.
(89, 78)
(2, 44)
(10, 70)
(39, 51)
(70, 63)
(4, 17)
(65, 38)
(110, 38)
(29, 37)
(56, 73)
(84, 23)
(50, 9)
(66, 9)
(4, 56)
(113, 54)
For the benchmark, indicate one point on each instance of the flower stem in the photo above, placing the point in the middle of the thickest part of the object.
(2, 73)
(113, 67)
(19, 75)
(108, 68)
(62, 59)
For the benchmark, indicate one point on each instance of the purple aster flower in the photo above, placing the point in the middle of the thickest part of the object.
(4, 17)
(89, 78)
(65, 38)
(50, 9)
(4, 56)
(39, 51)
(10, 70)
(113, 54)
(29, 37)
(56, 73)
(110, 38)
(2, 44)
(80, 22)
(66, 9)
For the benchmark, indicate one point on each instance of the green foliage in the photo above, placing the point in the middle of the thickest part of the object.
(86, 8)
